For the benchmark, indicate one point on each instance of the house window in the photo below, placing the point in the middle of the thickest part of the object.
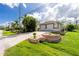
(55, 25)
(58, 25)
(52, 25)
(45, 26)
(40, 26)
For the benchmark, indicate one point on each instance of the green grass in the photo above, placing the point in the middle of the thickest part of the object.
(8, 33)
(69, 46)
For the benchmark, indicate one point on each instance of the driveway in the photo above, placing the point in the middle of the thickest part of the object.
(13, 40)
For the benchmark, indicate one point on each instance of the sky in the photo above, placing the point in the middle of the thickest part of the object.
(41, 11)
(10, 11)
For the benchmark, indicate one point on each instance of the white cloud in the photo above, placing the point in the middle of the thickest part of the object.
(36, 15)
(48, 14)
(59, 10)
(74, 6)
(24, 5)
(63, 10)
(12, 5)
(51, 13)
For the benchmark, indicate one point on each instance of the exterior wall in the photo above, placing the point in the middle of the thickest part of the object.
(51, 27)
(42, 27)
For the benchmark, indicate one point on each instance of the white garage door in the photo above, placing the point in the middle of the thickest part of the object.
(50, 26)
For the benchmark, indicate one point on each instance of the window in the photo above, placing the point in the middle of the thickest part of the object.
(52, 25)
(45, 26)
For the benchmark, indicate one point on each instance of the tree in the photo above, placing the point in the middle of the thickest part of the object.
(1, 27)
(70, 27)
(29, 23)
(14, 26)
(7, 28)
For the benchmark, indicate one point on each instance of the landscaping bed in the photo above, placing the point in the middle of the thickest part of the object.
(46, 37)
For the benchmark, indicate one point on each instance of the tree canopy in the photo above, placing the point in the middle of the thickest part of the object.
(29, 23)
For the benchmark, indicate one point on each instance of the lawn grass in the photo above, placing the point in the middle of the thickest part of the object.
(69, 46)
(8, 33)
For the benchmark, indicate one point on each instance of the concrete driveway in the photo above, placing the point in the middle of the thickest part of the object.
(13, 40)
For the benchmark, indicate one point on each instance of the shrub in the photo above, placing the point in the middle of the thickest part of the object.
(70, 27)
(34, 35)
(62, 33)
(7, 28)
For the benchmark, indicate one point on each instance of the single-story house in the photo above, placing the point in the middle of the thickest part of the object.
(51, 26)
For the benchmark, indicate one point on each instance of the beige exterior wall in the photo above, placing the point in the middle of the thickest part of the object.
(42, 27)
(51, 27)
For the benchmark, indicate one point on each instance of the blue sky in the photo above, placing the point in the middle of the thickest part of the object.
(9, 13)
(42, 11)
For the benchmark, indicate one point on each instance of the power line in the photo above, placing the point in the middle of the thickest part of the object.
(27, 12)
(34, 9)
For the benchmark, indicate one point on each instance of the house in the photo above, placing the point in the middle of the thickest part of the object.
(51, 26)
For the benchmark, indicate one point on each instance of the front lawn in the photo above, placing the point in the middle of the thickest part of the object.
(8, 33)
(69, 46)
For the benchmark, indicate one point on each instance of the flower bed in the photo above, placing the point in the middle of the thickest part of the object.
(46, 37)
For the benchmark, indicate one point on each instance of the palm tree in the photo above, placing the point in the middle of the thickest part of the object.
(15, 26)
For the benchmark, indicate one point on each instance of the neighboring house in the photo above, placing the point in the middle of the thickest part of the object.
(51, 26)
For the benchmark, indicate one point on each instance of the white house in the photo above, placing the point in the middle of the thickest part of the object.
(51, 26)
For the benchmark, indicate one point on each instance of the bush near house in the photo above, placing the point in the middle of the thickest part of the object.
(70, 27)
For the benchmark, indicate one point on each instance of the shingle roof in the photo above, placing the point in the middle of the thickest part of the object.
(49, 22)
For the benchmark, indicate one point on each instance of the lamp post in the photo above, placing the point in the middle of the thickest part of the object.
(19, 12)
